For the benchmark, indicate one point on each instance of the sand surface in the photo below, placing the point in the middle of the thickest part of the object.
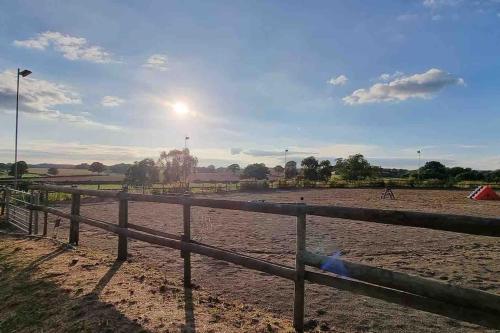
(472, 261)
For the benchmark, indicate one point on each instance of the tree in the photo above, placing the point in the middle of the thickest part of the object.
(144, 172)
(211, 168)
(354, 167)
(455, 171)
(494, 176)
(433, 170)
(177, 164)
(310, 168)
(256, 170)
(468, 174)
(291, 169)
(234, 168)
(279, 169)
(97, 167)
(325, 170)
(4, 167)
(120, 168)
(53, 171)
(22, 168)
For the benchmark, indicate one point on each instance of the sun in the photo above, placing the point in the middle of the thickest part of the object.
(181, 108)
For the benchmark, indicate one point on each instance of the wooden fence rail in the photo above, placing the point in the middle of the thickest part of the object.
(424, 294)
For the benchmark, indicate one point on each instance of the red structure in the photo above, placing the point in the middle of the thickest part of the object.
(484, 193)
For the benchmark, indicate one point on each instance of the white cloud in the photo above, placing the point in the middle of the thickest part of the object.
(72, 48)
(389, 77)
(415, 86)
(338, 81)
(111, 101)
(440, 3)
(157, 62)
(39, 98)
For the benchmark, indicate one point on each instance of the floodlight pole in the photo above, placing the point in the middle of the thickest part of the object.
(23, 73)
(418, 170)
(284, 167)
(17, 122)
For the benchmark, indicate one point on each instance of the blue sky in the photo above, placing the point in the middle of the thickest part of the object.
(322, 78)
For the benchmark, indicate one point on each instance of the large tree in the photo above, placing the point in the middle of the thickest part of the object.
(433, 170)
(177, 164)
(353, 168)
(120, 168)
(144, 172)
(291, 169)
(97, 167)
(22, 168)
(234, 168)
(256, 170)
(325, 170)
(279, 169)
(310, 168)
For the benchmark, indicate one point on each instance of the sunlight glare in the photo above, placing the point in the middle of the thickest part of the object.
(181, 108)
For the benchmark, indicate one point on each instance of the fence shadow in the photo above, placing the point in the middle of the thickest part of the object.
(23, 291)
(189, 311)
(103, 282)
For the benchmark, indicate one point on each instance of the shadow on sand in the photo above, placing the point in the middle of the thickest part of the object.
(32, 303)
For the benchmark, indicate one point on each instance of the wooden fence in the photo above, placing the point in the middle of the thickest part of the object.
(429, 295)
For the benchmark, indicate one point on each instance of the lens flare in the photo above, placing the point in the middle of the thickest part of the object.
(181, 108)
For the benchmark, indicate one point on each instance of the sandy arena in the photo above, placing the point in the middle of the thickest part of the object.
(472, 261)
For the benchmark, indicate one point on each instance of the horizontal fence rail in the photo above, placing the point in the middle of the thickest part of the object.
(409, 290)
(473, 225)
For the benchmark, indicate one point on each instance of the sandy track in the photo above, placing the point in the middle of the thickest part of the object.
(464, 260)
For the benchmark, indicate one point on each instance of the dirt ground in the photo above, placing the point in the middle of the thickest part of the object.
(46, 287)
(464, 260)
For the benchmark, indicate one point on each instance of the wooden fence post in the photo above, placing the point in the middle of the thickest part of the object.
(45, 202)
(30, 223)
(123, 223)
(4, 193)
(7, 204)
(74, 227)
(186, 237)
(36, 201)
(298, 305)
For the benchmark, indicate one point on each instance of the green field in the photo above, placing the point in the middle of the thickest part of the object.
(62, 172)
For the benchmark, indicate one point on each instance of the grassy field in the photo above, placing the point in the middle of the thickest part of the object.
(26, 175)
(62, 172)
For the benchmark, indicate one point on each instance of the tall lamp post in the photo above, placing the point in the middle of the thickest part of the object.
(284, 168)
(22, 73)
(418, 170)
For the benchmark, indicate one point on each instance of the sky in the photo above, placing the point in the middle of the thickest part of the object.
(118, 81)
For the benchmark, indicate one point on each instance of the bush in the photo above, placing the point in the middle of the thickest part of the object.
(434, 183)
(254, 185)
(337, 183)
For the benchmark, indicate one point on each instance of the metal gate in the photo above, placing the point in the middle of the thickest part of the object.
(17, 212)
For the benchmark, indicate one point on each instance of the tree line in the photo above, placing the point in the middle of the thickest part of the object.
(178, 164)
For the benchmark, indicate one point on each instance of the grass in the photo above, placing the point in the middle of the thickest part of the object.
(63, 172)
